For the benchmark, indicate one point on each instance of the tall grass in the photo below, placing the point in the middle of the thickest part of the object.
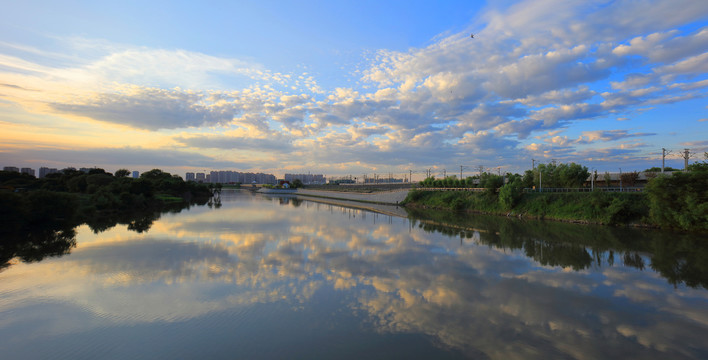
(596, 207)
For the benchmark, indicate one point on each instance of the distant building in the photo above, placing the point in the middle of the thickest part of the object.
(232, 177)
(190, 176)
(136, 174)
(28, 171)
(44, 171)
(11, 168)
(382, 180)
(307, 179)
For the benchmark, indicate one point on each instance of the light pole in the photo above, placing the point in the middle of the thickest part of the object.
(592, 180)
(620, 179)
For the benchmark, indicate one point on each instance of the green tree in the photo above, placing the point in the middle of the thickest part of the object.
(510, 193)
(529, 178)
(122, 173)
(658, 169)
(491, 182)
(572, 175)
(629, 178)
(297, 183)
(680, 200)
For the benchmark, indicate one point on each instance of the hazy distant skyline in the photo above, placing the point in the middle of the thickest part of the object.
(342, 88)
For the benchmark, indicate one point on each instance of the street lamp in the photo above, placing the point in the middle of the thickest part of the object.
(620, 179)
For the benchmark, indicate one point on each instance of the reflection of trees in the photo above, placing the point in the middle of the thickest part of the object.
(139, 221)
(35, 240)
(286, 200)
(36, 245)
(680, 258)
(455, 295)
(565, 254)
(215, 201)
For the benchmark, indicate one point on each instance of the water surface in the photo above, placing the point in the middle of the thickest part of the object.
(276, 277)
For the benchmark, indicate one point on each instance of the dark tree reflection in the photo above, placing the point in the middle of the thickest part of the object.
(681, 258)
(36, 245)
(36, 239)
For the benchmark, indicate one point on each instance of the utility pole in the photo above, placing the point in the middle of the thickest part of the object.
(444, 173)
(410, 176)
(664, 153)
(686, 156)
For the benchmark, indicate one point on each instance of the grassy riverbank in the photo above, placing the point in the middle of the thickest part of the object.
(679, 202)
(597, 207)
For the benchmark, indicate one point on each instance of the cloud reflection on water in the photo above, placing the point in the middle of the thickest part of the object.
(475, 298)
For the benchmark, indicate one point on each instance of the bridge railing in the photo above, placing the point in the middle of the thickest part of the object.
(603, 189)
(545, 190)
(451, 189)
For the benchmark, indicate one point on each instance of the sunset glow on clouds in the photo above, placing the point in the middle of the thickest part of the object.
(291, 87)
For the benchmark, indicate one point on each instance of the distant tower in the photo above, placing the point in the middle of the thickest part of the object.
(686, 156)
(44, 171)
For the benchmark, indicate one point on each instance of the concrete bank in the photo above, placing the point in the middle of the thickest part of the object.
(384, 197)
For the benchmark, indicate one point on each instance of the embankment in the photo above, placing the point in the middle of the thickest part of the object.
(595, 208)
(393, 197)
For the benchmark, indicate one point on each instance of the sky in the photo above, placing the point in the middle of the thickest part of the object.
(353, 87)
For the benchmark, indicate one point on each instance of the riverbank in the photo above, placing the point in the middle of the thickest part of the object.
(679, 202)
(392, 197)
(617, 209)
(592, 208)
(596, 208)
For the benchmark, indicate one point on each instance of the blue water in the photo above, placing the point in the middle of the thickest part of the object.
(273, 278)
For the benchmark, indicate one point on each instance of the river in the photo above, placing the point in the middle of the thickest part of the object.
(269, 277)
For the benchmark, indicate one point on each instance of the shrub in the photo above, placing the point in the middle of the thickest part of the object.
(510, 194)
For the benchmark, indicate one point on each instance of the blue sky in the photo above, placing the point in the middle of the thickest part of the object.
(350, 87)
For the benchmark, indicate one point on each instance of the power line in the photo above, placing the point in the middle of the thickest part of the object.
(664, 154)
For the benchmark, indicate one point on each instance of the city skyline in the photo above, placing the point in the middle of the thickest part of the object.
(352, 88)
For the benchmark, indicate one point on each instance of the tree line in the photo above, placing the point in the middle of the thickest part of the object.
(73, 197)
(678, 201)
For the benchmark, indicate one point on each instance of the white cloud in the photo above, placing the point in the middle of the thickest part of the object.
(150, 108)
(608, 135)
(534, 66)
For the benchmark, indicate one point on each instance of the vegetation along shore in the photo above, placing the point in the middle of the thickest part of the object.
(679, 201)
(39, 215)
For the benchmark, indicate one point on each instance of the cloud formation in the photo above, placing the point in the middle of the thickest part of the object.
(533, 67)
(394, 276)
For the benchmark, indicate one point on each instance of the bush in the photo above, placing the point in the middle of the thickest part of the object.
(680, 201)
(510, 194)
